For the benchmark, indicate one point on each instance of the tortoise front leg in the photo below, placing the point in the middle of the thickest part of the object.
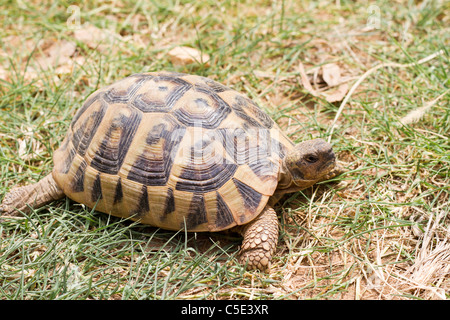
(260, 240)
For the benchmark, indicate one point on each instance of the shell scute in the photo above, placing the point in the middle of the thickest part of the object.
(113, 147)
(155, 152)
(160, 94)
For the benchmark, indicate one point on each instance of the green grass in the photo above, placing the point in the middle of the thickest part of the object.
(380, 231)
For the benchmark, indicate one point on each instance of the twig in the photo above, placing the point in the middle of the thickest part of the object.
(417, 114)
(368, 72)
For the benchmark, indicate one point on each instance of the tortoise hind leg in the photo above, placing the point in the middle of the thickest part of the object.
(260, 240)
(34, 195)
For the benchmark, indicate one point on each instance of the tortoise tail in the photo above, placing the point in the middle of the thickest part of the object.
(20, 199)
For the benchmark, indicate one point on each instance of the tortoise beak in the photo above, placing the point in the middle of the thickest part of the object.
(329, 163)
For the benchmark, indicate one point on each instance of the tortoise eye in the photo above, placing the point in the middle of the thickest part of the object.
(311, 158)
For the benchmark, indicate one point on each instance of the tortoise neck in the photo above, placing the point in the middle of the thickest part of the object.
(285, 181)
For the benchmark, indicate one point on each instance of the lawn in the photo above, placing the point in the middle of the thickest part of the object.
(371, 78)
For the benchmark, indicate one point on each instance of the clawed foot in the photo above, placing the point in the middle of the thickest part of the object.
(8, 205)
(256, 259)
(260, 240)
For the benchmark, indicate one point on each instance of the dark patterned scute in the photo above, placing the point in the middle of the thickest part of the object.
(197, 212)
(241, 104)
(82, 137)
(166, 99)
(246, 147)
(124, 95)
(145, 105)
(151, 170)
(111, 154)
(77, 185)
(137, 137)
(205, 171)
(170, 203)
(97, 189)
(142, 206)
(92, 98)
(250, 196)
(70, 155)
(209, 179)
(118, 193)
(224, 216)
(215, 86)
(266, 121)
(215, 110)
(255, 152)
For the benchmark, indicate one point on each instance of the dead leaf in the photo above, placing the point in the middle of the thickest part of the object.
(305, 81)
(332, 77)
(182, 56)
(331, 74)
(58, 54)
(96, 38)
(335, 95)
(89, 35)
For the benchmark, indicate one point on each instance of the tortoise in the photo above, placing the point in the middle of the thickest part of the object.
(180, 151)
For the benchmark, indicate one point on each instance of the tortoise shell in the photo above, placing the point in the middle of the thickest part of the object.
(172, 150)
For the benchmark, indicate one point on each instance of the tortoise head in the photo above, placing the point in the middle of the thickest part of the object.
(307, 163)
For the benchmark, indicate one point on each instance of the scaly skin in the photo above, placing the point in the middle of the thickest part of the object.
(260, 240)
(35, 195)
